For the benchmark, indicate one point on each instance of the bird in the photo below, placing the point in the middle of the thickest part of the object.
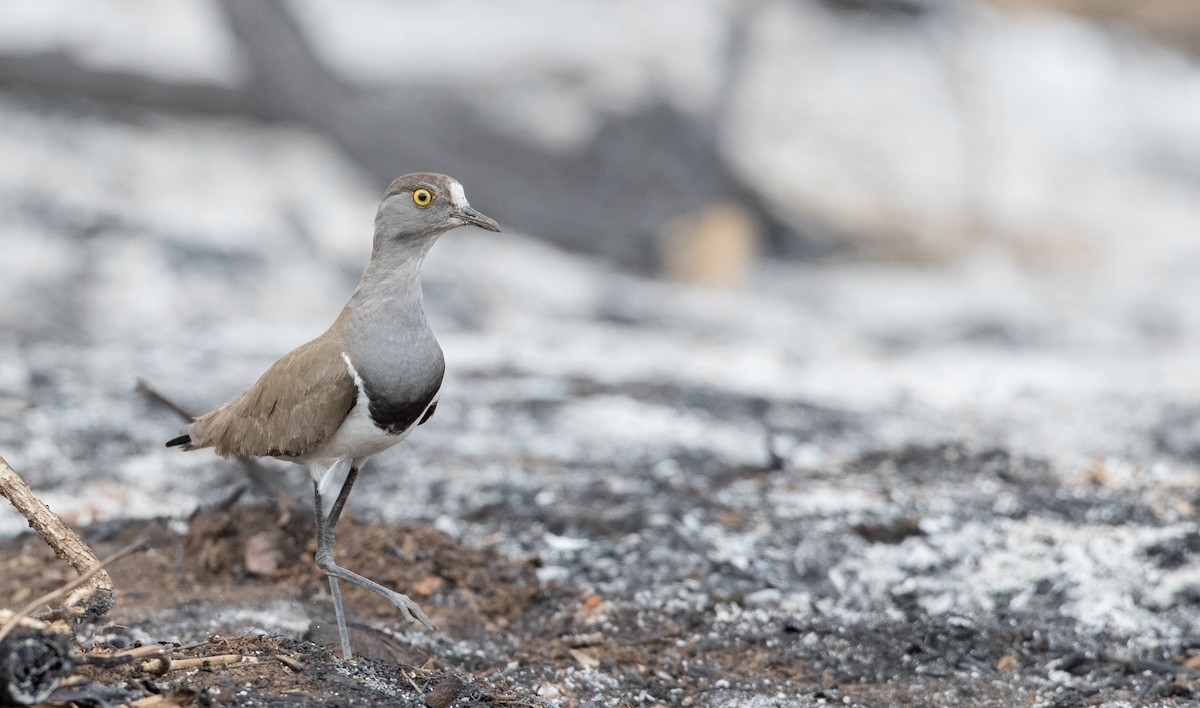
(360, 387)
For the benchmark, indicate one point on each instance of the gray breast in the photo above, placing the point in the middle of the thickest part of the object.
(401, 375)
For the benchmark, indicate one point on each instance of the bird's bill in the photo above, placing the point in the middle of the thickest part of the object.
(473, 218)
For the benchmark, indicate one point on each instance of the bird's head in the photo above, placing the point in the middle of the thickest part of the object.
(421, 206)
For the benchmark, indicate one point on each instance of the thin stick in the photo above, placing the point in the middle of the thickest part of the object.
(213, 661)
(154, 700)
(144, 388)
(55, 594)
(291, 663)
(164, 664)
(262, 478)
(66, 543)
(122, 657)
(411, 682)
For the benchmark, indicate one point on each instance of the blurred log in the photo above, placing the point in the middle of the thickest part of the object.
(903, 9)
(639, 173)
(56, 74)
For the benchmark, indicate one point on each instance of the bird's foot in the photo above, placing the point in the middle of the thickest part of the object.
(411, 610)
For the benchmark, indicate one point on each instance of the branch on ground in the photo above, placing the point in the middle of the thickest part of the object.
(95, 597)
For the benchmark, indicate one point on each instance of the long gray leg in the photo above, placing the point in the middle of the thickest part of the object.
(334, 591)
(325, 539)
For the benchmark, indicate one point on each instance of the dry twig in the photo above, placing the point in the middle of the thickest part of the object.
(126, 656)
(59, 592)
(144, 388)
(156, 699)
(164, 664)
(290, 662)
(412, 683)
(91, 601)
(97, 598)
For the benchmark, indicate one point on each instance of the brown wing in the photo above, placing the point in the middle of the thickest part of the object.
(294, 407)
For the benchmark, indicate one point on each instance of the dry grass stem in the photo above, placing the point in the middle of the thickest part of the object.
(97, 598)
(53, 595)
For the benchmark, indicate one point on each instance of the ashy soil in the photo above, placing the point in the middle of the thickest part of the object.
(237, 583)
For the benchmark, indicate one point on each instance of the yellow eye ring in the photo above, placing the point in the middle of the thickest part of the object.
(422, 197)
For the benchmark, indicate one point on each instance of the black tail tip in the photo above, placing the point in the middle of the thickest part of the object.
(185, 440)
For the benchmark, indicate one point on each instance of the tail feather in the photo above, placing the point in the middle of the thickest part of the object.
(184, 440)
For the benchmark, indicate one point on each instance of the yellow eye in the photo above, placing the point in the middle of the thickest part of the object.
(422, 197)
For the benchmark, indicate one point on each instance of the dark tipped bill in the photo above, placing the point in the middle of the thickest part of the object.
(474, 218)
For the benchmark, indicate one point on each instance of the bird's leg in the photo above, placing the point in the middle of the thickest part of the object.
(326, 526)
(334, 591)
(335, 511)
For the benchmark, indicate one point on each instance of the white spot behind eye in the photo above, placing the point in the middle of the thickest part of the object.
(457, 196)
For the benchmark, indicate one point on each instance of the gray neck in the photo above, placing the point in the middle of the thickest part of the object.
(390, 289)
(386, 334)
(389, 292)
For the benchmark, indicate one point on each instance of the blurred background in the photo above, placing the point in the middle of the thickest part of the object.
(739, 234)
(946, 203)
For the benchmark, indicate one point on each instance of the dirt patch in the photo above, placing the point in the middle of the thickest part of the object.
(502, 628)
(271, 671)
(255, 555)
(271, 543)
(628, 608)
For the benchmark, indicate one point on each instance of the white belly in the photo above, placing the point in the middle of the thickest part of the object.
(358, 437)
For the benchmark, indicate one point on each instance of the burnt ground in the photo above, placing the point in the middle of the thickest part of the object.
(960, 467)
(644, 613)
